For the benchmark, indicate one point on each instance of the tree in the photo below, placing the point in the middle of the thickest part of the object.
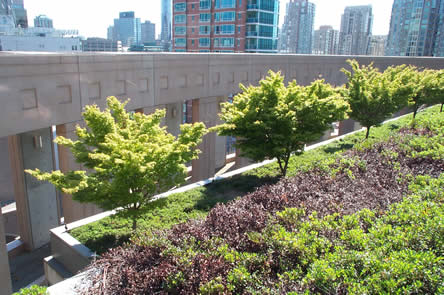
(129, 158)
(374, 96)
(428, 88)
(274, 121)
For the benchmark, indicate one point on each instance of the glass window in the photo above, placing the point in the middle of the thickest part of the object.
(225, 4)
(204, 30)
(204, 42)
(205, 17)
(192, 6)
(192, 42)
(180, 42)
(182, 6)
(224, 29)
(180, 18)
(226, 42)
(180, 30)
(205, 4)
(226, 16)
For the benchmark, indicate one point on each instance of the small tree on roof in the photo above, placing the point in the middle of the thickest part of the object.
(374, 96)
(274, 121)
(428, 88)
(129, 156)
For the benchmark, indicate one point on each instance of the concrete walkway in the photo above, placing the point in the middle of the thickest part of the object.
(28, 267)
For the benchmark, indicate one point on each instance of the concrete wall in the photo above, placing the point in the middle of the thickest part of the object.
(5, 277)
(40, 90)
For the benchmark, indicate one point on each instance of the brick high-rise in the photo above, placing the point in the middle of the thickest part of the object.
(225, 25)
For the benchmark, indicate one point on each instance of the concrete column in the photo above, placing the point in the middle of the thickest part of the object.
(72, 210)
(37, 210)
(205, 110)
(6, 186)
(173, 117)
(5, 275)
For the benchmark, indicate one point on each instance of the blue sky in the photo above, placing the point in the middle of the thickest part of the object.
(92, 17)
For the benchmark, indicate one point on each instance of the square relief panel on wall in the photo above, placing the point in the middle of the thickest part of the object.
(64, 94)
(144, 85)
(29, 98)
(94, 91)
(121, 87)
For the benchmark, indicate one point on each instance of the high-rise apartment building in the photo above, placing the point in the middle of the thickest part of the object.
(377, 45)
(6, 7)
(225, 25)
(21, 15)
(356, 30)
(416, 28)
(42, 21)
(148, 34)
(127, 29)
(166, 24)
(326, 41)
(297, 30)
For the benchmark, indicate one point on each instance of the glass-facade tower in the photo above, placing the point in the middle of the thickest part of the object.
(416, 28)
(127, 29)
(262, 26)
(166, 23)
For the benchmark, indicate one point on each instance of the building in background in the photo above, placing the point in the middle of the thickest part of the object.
(325, 41)
(148, 34)
(110, 35)
(166, 24)
(6, 7)
(127, 28)
(377, 45)
(225, 25)
(21, 15)
(101, 44)
(297, 30)
(42, 21)
(416, 28)
(356, 30)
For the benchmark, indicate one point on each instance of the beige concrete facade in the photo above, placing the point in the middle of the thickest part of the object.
(41, 90)
(5, 277)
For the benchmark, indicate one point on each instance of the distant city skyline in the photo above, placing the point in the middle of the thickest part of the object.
(92, 18)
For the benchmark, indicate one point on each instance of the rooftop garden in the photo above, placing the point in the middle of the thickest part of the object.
(362, 215)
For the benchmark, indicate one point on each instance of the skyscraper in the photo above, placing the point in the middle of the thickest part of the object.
(166, 20)
(110, 35)
(297, 30)
(21, 16)
(225, 25)
(127, 29)
(42, 21)
(356, 30)
(326, 41)
(148, 32)
(416, 28)
(6, 7)
(377, 45)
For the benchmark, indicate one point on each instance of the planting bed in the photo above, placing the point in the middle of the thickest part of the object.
(366, 221)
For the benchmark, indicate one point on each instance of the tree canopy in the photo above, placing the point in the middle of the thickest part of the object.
(274, 121)
(374, 96)
(129, 158)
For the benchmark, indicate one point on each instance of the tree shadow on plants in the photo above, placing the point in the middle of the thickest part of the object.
(106, 242)
(223, 191)
(340, 147)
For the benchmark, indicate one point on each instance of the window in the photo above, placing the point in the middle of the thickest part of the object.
(224, 29)
(205, 17)
(205, 4)
(180, 6)
(192, 6)
(204, 30)
(226, 16)
(192, 42)
(180, 30)
(192, 30)
(180, 19)
(204, 42)
(180, 42)
(223, 42)
(193, 18)
(225, 4)
(238, 29)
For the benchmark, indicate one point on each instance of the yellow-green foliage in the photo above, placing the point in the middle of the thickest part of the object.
(273, 120)
(130, 158)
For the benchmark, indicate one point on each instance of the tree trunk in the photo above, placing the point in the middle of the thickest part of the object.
(368, 132)
(415, 111)
(442, 107)
(280, 166)
(134, 223)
